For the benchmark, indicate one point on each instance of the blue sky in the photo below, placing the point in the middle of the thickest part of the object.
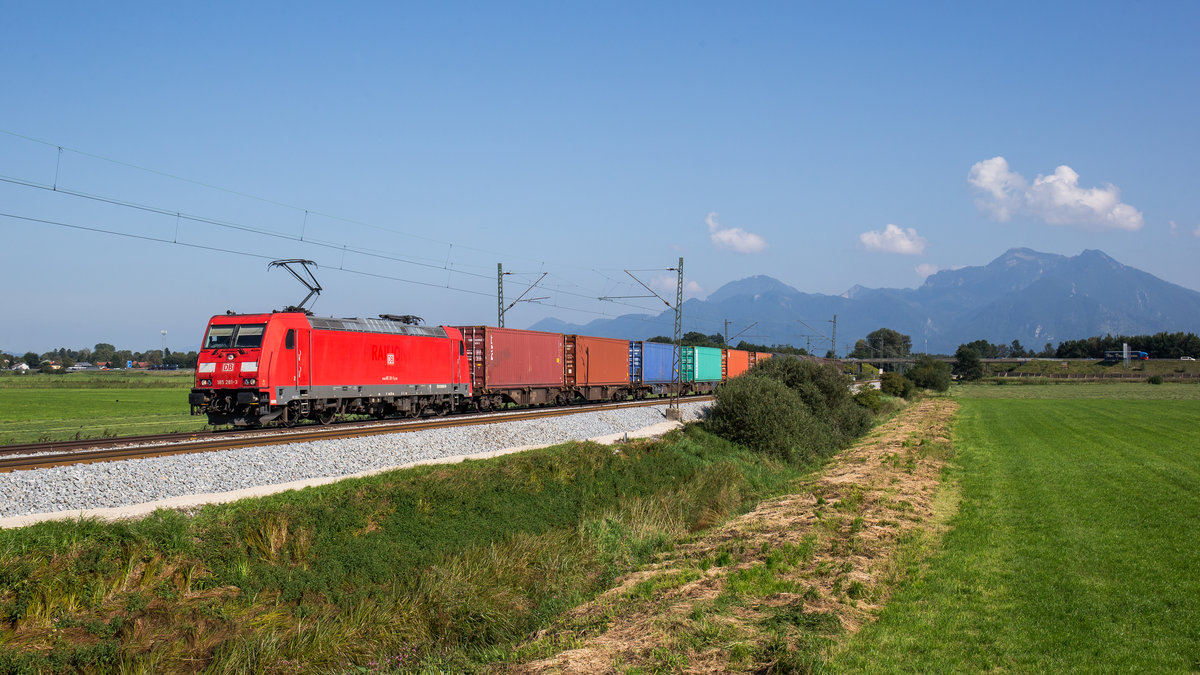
(780, 139)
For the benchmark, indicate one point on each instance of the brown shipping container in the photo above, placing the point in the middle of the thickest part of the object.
(504, 358)
(600, 361)
(738, 363)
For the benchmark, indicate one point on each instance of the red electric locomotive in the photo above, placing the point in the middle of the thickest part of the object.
(287, 366)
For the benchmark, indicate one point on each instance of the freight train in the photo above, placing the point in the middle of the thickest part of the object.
(284, 367)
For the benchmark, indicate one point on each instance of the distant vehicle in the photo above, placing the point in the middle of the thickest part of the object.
(1117, 355)
(1187, 358)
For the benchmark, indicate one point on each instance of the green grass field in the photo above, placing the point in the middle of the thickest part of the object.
(1075, 545)
(37, 408)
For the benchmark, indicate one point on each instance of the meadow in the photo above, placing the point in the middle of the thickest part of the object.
(37, 407)
(1073, 548)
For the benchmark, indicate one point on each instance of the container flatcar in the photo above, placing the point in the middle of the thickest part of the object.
(515, 366)
(597, 368)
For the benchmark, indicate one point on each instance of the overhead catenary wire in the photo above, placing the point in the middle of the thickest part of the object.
(448, 265)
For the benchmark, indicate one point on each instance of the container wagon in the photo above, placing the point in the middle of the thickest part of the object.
(595, 368)
(734, 362)
(515, 366)
(700, 369)
(651, 368)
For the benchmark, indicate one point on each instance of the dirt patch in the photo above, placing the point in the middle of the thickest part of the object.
(790, 580)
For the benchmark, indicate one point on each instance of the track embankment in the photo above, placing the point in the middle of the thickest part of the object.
(136, 487)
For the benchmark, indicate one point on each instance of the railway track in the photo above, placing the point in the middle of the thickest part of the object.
(66, 453)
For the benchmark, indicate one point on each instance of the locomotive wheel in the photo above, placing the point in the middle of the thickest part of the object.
(326, 416)
(288, 418)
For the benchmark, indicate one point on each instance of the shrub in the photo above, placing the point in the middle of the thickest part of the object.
(869, 398)
(1155, 379)
(821, 387)
(896, 384)
(930, 373)
(766, 416)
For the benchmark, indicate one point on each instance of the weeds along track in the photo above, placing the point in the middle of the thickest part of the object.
(66, 453)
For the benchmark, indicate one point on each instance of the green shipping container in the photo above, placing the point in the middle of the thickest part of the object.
(700, 364)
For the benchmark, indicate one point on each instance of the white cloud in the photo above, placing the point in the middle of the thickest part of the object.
(892, 239)
(1196, 232)
(1174, 228)
(665, 285)
(925, 269)
(1056, 199)
(733, 238)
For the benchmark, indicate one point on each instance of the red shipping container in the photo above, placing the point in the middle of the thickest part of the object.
(598, 361)
(506, 358)
(737, 362)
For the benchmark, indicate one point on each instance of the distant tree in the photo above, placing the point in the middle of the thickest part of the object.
(663, 339)
(773, 349)
(32, 360)
(103, 352)
(1016, 351)
(967, 364)
(883, 343)
(930, 373)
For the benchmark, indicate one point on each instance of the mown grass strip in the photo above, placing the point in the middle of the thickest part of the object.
(1073, 549)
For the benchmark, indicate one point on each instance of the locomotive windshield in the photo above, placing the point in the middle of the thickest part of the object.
(242, 335)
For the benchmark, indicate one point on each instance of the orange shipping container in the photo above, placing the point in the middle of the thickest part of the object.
(598, 361)
(737, 362)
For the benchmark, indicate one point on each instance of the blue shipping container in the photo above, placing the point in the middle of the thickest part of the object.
(651, 362)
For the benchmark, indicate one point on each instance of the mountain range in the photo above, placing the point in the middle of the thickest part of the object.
(1025, 295)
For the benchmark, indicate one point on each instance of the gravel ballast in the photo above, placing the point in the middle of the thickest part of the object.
(138, 481)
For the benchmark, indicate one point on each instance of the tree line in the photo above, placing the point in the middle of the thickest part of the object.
(698, 339)
(102, 353)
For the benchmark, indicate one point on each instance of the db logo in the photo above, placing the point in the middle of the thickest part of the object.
(227, 367)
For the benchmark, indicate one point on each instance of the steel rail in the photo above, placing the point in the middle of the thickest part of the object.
(22, 462)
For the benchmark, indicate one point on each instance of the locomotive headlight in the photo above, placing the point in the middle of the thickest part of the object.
(205, 383)
(249, 381)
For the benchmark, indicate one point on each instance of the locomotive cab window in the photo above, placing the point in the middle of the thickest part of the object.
(249, 336)
(289, 340)
(245, 336)
(219, 337)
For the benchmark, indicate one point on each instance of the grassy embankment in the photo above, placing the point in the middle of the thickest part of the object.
(444, 566)
(1074, 546)
(43, 407)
